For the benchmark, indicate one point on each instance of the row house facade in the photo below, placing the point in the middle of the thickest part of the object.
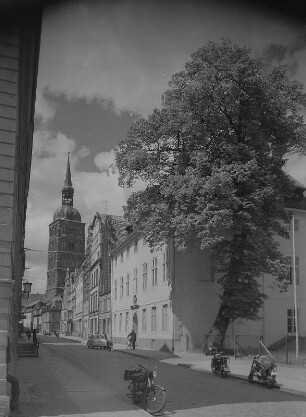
(86, 300)
(105, 231)
(78, 311)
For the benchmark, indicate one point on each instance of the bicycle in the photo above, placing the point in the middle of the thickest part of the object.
(129, 344)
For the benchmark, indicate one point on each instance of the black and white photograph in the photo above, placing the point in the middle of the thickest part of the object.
(153, 208)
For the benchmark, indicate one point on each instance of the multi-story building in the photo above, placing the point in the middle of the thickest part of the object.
(165, 296)
(95, 272)
(86, 284)
(51, 314)
(66, 240)
(66, 245)
(105, 231)
(277, 317)
(171, 300)
(67, 307)
(19, 51)
(78, 311)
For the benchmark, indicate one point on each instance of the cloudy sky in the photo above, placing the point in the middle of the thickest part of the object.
(104, 63)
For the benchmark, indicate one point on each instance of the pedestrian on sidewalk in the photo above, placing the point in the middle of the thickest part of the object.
(28, 333)
(132, 338)
(34, 336)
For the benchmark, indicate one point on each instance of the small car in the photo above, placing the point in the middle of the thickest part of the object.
(96, 341)
(47, 332)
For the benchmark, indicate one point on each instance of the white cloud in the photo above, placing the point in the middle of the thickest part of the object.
(126, 52)
(296, 167)
(44, 109)
(104, 160)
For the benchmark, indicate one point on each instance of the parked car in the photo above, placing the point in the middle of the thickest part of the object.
(48, 332)
(96, 341)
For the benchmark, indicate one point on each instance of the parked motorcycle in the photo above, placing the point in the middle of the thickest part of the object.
(143, 391)
(109, 346)
(264, 369)
(220, 364)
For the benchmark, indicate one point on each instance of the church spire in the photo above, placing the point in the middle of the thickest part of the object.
(68, 182)
(67, 190)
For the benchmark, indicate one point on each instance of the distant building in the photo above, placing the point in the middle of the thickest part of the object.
(105, 232)
(66, 251)
(77, 329)
(68, 307)
(66, 240)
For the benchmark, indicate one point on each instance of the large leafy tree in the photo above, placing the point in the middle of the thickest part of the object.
(211, 159)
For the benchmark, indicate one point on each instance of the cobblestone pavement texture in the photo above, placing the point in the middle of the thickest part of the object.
(83, 382)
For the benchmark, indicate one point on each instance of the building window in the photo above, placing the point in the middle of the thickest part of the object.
(128, 252)
(115, 290)
(297, 269)
(165, 266)
(116, 260)
(291, 328)
(153, 319)
(135, 281)
(144, 320)
(126, 321)
(144, 276)
(115, 322)
(121, 287)
(120, 322)
(296, 225)
(127, 284)
(165, 318)
(121, 257)
(154, 272)
(135, 246)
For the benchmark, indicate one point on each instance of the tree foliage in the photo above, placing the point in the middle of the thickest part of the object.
(212, 161)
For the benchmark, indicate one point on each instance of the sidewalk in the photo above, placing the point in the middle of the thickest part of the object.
(51, 386)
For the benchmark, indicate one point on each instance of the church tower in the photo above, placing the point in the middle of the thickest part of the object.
(66, 240)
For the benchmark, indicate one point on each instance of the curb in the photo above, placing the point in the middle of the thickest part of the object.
(233, 376)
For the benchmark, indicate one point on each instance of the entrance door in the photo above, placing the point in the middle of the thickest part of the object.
(135, 323)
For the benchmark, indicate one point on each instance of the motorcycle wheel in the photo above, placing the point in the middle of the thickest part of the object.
(213, 368)
(155, 399)
(272, 382)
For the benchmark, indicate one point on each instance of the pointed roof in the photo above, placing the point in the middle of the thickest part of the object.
(68, 182)
(67, 211)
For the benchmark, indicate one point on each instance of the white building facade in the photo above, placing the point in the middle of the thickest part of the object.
(141, 294)
(171, 298)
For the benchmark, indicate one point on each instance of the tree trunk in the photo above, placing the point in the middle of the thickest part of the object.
(216, 336)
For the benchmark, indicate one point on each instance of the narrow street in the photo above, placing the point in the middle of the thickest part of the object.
(74, 370)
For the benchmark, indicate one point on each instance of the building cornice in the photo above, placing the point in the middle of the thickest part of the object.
(132, 236)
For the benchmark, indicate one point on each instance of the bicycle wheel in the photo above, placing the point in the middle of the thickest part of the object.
(155, 399)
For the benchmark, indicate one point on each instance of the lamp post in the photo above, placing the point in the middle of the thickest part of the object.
(294, 294)
(26, 289)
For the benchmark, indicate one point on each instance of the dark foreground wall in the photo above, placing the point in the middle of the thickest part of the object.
(19, 51)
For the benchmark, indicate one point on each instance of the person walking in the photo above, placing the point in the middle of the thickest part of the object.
(132, 337)
(34, 336)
